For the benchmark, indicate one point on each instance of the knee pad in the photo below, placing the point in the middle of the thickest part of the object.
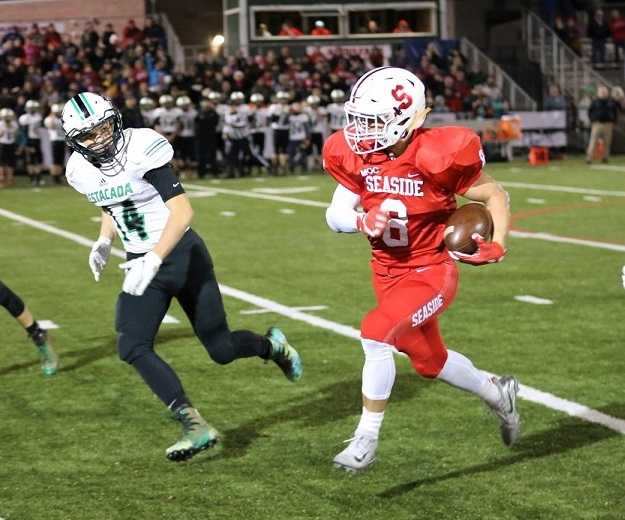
(378, 372)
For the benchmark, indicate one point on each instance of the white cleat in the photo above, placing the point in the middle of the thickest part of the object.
(358, 456)
(506, 410)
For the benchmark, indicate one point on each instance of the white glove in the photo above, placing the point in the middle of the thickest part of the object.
(99, 255)
(140, 272)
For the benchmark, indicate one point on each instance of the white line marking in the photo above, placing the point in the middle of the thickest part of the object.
(201, 194)
(608, 168)
(535, 201)
(514, 169)
(170, 319)
(48, 324)
(260, 179)
(266, 311)
(266, 196)
(563, 189)
(529, 393)
(592, 198)
(95, 219)
(566, 240)
(517, 234)
(286, 191)
(228, 213)
(554, 168)
(528, 298)
(287, 211)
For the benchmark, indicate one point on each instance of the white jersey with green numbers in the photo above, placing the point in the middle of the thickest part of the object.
(121, 191)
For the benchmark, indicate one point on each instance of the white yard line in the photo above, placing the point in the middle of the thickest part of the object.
(537, 396)
(517, 234)
(563, 189)
(528, 298)
(255, 195)
(608, 168)
(567, 240)
(266, 311)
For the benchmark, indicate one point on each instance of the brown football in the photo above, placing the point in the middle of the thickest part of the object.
(466, 220)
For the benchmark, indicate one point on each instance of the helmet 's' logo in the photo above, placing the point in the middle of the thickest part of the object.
(405, 99)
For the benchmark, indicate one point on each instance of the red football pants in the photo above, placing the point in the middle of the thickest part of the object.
(409, 302)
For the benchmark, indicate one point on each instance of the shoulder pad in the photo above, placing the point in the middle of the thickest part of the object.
(149, 149)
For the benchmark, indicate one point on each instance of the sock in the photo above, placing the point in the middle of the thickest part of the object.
(370, 423)
(36, 334)
(248, 344)
(161, 379)
(461, 373)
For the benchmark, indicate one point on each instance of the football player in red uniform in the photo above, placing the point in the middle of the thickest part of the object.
(406, 178)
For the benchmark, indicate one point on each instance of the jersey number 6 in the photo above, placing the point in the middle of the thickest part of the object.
(396, 232)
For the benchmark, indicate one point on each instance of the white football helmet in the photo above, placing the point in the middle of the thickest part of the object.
(236, 98)
(56, 109)
(7, 114)
(337, 95)
(215, 97)
(166, 101)
(257, 98)
(93, 127)
(313, 100)
(183, 102)
(32, 106)
(146, 104)
(283, 97)
(385, 105)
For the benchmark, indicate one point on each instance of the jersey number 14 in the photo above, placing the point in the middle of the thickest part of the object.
(132, 221)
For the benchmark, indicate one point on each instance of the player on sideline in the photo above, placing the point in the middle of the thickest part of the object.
(127, 174)
(16, 308)
(406, 179)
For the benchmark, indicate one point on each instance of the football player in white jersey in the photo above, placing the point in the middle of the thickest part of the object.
(236, 134)
(279, 116)
(259, 118)
(336, 112)
(168, 121)
(187, 133)
(8, 135)
(30, 122)
(319, 121)
(299, 133)
(15, 307)
(57, 138)
(127, 174)
(148, 108)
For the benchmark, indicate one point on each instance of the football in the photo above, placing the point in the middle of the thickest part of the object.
(466, 220)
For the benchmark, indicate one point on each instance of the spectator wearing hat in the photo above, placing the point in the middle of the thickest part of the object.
(320, 29)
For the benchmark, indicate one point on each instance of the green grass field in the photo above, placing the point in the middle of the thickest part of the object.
(89, 443)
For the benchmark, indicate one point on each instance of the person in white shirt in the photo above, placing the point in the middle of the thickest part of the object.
(30, 123)
(126, 173)
(8, 136)
(54, 126)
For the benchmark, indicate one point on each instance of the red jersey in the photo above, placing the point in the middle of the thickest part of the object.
(418, 188)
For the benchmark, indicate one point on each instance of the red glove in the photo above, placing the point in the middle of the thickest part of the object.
(373, 223)
(487, 252)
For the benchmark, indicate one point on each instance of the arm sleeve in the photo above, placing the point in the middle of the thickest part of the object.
(165, 182)
(341, 215)
(465, 166)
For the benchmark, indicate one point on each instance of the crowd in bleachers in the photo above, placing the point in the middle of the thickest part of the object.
(226, 114)
(591, 31)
